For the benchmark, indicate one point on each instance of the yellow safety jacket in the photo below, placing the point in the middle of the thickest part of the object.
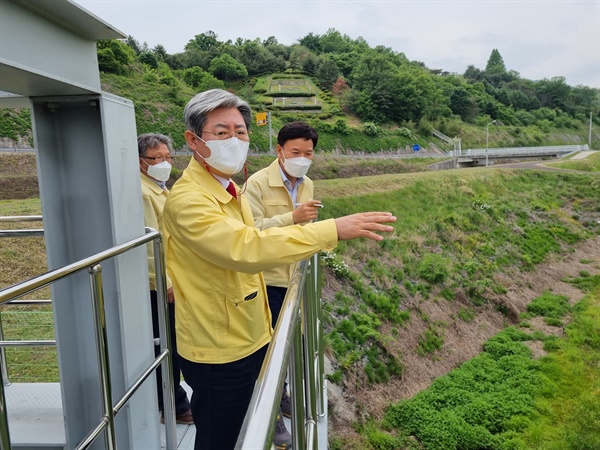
(153, 199)
(272, 206)
(215, 256)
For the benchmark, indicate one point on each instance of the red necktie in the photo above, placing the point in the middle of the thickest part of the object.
(231, 190)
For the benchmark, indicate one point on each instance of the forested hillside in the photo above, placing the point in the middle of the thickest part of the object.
(466, 328)
(360, 98)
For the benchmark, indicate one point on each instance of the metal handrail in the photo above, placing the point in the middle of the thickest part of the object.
(92, 264)
(513, 151)
(20, 289)
(21, 218)
(297, 340)
(7, 234)
(293, 333)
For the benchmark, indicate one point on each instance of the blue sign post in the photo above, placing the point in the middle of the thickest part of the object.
(416, 147)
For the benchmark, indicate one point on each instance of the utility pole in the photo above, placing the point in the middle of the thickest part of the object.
(270, 134)
(590, 132)
(487, 138)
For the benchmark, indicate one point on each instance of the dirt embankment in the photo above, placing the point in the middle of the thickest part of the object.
(18, 176)
(462, 340)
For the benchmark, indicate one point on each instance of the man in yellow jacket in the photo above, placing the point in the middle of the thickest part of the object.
(154, 151)
(281, 195)
(215, 256)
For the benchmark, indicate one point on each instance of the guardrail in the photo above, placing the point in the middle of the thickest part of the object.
(93, 266)
(303, 347)
(297, 340)
(520, 151)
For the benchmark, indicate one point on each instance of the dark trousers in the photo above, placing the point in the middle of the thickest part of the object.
(182, 403)
(221, 396)
(276, 295)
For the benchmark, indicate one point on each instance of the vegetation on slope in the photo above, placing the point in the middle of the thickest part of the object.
(460, 236)
(361, 99)
(505, 398)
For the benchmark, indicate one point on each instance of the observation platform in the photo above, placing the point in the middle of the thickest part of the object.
(35, 419)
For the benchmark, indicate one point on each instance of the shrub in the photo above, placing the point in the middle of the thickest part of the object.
(371, 129)
(434, 268)
(336, 264)
(549, 305)
(466, 314)
(430, 341)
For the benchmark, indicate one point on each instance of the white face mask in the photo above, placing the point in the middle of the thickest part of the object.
(160, 171)
(297, 167)
(227, 155)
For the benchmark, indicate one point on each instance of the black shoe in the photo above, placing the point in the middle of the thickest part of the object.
(184, 418)
(286, 404)
(282, 439)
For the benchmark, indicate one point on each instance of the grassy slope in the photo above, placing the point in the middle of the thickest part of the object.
(159, 108)
(457, 232)
(589, 164)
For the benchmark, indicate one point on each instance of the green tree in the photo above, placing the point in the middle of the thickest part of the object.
(160, 52)
(149, 59)
(495, 71)
(495, 63)
(462, 104)
(203, 42)
(554, 93)
(384, 92)
(301, 58)
(312, 42)
(201, 80)
(134, 44)
(258, 59)
(225, 67)
(327, 72)
(473, 74)
(334, 42)
(114, 56)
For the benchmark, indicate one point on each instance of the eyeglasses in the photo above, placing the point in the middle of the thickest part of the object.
(158, 159)
(242, 135)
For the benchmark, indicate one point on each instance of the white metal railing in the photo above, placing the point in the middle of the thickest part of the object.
(94, 268)
(520, 151)
(441, 136)
(297, 341)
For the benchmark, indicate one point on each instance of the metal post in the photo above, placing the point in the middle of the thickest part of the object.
(487, 136)
(3, 368)
(103, 357)
(590, 133)
(311, 354)
(165, 344)
(4, 432)
(270, 133)
(322, 384)
(297, 391)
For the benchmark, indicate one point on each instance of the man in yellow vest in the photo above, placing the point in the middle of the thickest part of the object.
(215, 258)
(155, 168)
(281, 195)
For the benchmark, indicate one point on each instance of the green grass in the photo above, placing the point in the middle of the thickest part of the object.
(21, 259)
(505, 399)
(571, 404)
(455, 232)
(589, 164)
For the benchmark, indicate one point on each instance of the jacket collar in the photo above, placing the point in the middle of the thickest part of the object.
(275, 178)
(152, 185)
(203, 177)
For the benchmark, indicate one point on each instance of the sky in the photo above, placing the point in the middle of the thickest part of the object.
(538, 39)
